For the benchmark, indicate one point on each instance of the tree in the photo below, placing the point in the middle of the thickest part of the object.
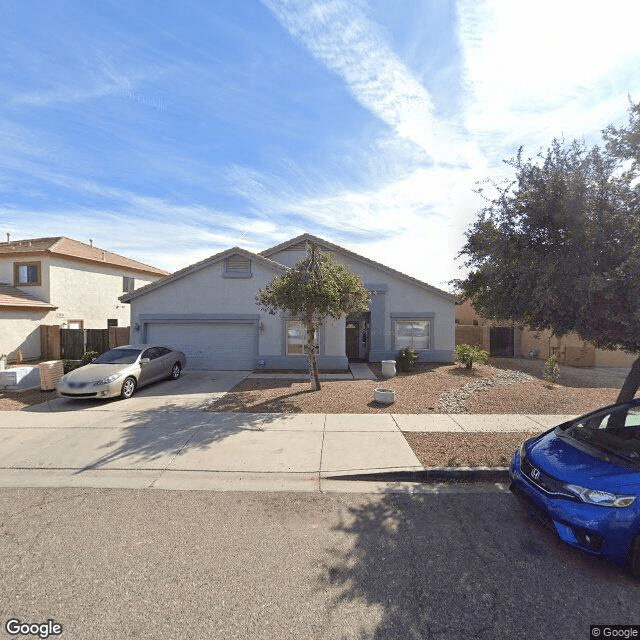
(315, 289)
(559, 247)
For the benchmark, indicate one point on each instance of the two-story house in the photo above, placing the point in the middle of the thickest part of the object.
(60, 281)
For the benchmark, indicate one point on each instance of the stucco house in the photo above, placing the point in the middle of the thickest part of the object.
(60, 281)
(208, 310)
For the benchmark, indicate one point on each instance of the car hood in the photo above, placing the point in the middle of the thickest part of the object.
(94, 372)
(569, 464)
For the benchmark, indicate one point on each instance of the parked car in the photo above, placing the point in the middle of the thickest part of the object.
(582, 479)
(120, 371)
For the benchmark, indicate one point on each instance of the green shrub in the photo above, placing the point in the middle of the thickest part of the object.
(551, 370)
(467, 354)
(70, 365)
(406, 358)
(89, 356)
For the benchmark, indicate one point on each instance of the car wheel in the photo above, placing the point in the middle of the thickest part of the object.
(175, 371)
(128, 387)
(635, 557)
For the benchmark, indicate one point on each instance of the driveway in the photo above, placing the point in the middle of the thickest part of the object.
(191, 391)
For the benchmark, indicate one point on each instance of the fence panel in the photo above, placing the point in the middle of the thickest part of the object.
(97, 340)
(71, 344)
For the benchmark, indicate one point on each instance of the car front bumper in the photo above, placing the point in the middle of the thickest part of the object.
(90, 389)
(597, 530)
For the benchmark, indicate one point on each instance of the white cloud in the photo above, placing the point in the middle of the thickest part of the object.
(538, 71)
(341, 35)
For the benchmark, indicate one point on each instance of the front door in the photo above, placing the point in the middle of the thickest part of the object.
(352, 339)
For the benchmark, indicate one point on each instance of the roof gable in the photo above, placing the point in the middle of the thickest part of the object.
(74, 250)
(203, 264)
(300, 241)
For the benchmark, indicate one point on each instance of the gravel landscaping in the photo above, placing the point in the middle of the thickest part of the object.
(502, 386)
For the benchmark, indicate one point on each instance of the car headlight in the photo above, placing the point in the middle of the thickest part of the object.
(108, 379)
(603, 498)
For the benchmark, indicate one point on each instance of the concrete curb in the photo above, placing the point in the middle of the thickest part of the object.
(432, 474)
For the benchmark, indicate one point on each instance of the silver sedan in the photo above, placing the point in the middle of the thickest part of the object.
(120, 371)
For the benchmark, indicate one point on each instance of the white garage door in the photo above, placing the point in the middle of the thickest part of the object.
(210, 345)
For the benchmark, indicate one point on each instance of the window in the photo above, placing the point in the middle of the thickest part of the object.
(112, 322)
(26, 274)
(75, 324)
(413, 333)
(128, 284)
(296, 337)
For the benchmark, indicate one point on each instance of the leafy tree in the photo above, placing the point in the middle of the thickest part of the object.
(559, 247)
(317, 288)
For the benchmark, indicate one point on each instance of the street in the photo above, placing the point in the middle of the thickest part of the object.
(453, 562)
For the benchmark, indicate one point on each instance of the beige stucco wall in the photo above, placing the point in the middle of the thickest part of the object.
(81, 291)
(89, 292)
(21, 330)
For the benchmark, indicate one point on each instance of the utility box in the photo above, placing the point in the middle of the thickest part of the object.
(50, 373)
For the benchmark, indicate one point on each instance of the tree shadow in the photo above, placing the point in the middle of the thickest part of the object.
(467, 564)
(151, 437)
(240, 399)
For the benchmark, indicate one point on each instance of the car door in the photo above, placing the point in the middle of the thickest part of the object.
(151, 370)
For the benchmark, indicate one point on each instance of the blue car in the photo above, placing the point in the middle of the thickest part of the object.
(582, 479)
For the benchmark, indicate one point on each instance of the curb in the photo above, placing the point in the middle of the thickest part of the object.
(432, 474)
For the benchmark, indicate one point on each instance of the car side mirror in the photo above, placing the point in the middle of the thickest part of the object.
(144, 360)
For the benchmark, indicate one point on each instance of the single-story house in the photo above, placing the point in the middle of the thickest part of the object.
(208, 310)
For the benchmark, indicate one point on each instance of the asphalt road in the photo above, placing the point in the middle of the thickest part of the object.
(459, 562)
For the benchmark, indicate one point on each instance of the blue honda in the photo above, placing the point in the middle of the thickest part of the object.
(582, 479)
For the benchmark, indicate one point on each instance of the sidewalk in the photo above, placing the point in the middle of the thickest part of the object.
(194, 449)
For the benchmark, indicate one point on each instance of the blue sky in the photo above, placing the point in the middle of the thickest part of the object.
(169, 131)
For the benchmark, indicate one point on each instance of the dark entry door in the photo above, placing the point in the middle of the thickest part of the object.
(352, 337)
(501, 341)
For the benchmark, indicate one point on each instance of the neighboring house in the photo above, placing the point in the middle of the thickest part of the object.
(59, 281)
(507, 339)
(208, 310)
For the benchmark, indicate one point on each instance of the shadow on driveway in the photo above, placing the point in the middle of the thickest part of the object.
(151, 438)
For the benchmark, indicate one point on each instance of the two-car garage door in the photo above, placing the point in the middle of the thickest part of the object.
(209, 345)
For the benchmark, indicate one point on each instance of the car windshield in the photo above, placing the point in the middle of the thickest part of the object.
(118, 356)
(614, 431)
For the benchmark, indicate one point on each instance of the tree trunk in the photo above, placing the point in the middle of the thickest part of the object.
(311, 353)
(631, 384)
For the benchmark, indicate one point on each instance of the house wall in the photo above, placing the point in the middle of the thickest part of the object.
(394, 298)
(88, 292)
(41, 291)
(21, 330)
(208, 293)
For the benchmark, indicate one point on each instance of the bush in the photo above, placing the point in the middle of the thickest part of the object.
(551, 370)
(467, 354)
(89, 356)
(406, 358)
(70, 365)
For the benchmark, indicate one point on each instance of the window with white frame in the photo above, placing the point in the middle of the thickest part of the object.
(413, 333)
(296, 337)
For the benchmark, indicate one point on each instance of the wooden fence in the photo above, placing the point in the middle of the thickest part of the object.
(71, 344)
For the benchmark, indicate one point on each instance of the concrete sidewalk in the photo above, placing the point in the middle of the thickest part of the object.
(194, 449)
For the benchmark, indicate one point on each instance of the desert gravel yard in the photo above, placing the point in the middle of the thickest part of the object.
(503, 386)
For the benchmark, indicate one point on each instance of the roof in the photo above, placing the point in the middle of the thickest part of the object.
(14, 298)
(127, 297)
(73, 250)
(320, 241)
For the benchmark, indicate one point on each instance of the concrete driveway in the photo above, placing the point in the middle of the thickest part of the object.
(191, 391)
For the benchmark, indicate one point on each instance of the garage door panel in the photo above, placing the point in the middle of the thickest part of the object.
(209, 345)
